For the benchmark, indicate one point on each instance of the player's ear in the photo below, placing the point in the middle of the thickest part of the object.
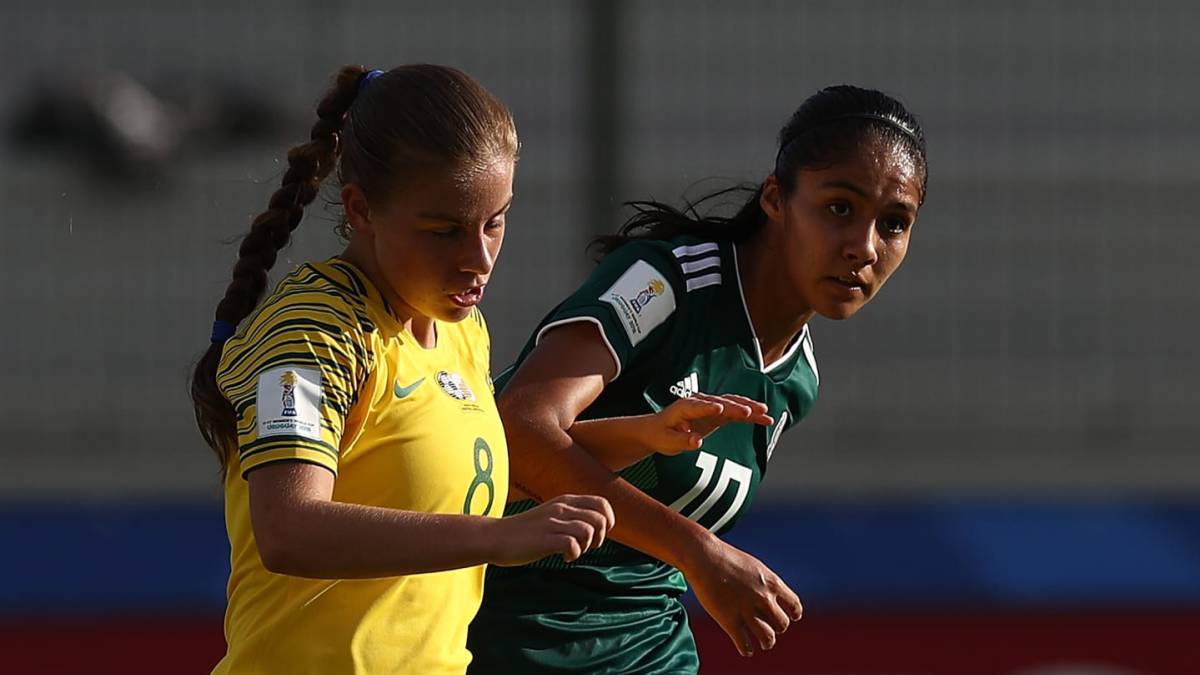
(356, 208)
(771, 199)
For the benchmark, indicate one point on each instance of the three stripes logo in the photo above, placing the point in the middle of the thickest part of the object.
(687, 387)
(700, 264)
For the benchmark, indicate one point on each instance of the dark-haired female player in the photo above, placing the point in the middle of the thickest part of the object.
(683, 304)
(363, 459)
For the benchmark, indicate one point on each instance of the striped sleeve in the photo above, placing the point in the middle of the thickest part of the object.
(292, 376)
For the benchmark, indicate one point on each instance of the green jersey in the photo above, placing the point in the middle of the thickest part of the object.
(674, 317)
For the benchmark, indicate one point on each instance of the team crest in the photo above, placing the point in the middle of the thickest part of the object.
(455, 386)
(288, 381)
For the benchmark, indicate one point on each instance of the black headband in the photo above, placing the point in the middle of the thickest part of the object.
(861, 116)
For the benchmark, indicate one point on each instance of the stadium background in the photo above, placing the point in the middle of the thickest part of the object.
(1001, 475)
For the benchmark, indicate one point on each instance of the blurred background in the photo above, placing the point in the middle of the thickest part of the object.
(1001, 476)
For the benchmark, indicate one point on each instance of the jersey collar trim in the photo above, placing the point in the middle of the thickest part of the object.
(796, 341)
(373, 298)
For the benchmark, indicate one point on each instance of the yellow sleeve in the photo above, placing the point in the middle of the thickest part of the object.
(292, 377)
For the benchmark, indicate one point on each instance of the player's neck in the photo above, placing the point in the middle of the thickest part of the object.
(776, 313)
(422, 328)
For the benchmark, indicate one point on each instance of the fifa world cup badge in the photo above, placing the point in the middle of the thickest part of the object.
(288, 381)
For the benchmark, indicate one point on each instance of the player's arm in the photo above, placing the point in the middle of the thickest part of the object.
(564, 374)
(309, 361)
(618, 442)
(301, 531)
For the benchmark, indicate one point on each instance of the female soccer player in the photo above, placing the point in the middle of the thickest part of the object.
(683, 304)
(363, 458)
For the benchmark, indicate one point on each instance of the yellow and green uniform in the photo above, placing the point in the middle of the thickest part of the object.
(322, 373)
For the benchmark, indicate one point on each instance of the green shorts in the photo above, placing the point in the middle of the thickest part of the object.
(534, 621)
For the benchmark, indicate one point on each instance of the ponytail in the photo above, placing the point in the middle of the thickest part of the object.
(308, 164)
(658, 221)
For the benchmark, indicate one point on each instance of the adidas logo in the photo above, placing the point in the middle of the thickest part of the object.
(686, 387)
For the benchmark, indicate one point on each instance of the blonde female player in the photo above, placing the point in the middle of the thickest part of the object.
(364, 462)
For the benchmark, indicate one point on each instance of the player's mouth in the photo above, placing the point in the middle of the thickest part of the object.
(849, 285)
(469, 297)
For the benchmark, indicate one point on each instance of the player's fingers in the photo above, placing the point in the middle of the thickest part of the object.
(745, 640)
(567, 546)
(758, 409)
(746, 400)
(739, 636)
(708, 398)
(775, 616)
(592, 503)
(735, 411)
(581, 531)
(789, 602)
(682, 440)
(561, 499)
(596, 520)
(761, 632)
(698, 406)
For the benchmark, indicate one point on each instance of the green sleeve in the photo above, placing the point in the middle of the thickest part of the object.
(632, 296)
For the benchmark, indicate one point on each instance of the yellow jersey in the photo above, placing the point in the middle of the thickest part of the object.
(323, 373)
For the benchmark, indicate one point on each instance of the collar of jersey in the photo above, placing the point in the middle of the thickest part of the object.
(793, 348)
(374, 298)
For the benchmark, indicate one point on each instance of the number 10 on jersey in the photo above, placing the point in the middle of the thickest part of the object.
(731, 472)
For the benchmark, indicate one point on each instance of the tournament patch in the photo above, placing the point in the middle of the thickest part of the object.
(642, 298)
(289, 402)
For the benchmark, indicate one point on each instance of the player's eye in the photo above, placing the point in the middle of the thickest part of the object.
(895, 225)
(840, 209)
(495, 224)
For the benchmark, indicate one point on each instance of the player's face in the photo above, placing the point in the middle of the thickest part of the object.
(847, 227)
(436, 238)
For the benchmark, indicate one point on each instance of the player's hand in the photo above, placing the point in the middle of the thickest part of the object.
(683, 425)
(569, 525)
(749, 601)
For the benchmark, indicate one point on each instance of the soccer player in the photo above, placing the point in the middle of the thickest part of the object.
(683, 304)
(363, 458)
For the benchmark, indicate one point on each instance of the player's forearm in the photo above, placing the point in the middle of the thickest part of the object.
(616, 442)
(545, 462)
(332, 540)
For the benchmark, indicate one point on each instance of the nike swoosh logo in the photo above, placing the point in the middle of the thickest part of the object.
(401, 392)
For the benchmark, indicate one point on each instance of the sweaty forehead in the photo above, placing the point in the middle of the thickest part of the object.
(463, 194)
(882, 168)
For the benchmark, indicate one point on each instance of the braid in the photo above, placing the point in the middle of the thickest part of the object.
(308, 164)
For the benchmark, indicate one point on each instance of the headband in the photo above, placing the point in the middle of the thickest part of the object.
(860, 116)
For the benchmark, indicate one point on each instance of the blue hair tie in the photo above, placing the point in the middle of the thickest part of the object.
(367, 78)
(222, 331)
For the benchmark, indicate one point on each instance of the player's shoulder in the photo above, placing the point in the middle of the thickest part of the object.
(656, 252)
(687, 263)
(322, 301)
(328, 294)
